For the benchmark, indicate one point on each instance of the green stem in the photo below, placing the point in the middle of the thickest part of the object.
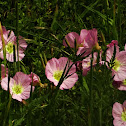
(17, 33)
(91, 92)
(100, 111)
(119, 21)
(7, 111)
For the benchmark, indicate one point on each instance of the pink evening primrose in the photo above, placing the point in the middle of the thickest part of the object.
(113, 42)
(70, 38)
(19, 86)
(89, 40)
(54, 70)
(119, 64)
(119, 114)
(121, 85)
(87, 61)
(10, 40)
(34, 78)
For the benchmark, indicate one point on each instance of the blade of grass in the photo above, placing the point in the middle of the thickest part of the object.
(100, 14)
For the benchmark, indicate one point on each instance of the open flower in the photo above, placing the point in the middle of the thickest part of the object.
(19, 86)
(54, 70)
(10, 40)
(119, 64)
(119, 114)
(89, 40)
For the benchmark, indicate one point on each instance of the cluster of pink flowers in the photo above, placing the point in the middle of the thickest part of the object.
(64, 69)
(20, 85)
(115, 60)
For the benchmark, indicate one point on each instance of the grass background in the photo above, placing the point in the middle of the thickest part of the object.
(44, 24)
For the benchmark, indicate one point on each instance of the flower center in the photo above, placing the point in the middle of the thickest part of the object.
(17, 89)
(123, 115)
(9, 47)
(57, 75)
(116, 65)
(124, 82)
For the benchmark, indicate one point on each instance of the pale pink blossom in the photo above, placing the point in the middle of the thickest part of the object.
(54, 70)
(34, 78)
(71, 38)
(89, 40)
(19, 86)
(86, 63)
(119, 114)
(10, 40)
(119, 63)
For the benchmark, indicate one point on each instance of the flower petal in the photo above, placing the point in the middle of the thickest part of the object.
(4, 83)
(71, 37)
(117, 110)
(22, 79)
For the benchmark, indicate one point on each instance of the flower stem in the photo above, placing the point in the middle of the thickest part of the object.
(7, 111)
(91, 92)
(17, 34)
(100, 111)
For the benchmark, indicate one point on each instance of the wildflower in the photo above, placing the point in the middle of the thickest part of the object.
(89, 40)
(10, 41)
(87, 62)
(119, 63)
(119, 114)
(19, 86)
(121, 85)
(113, 42)
(34, 78)
(71, 38)
(54, 70)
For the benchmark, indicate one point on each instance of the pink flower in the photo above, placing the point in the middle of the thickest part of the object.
(121, 85)
(19, 86)
(35, 78)
(83, 35)
(70, 38)
(10, 40)
(89, 40)
(54, 70)
(119, 64)
(119, 114)
(87, 61)
(3, 74)
(113, 42)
